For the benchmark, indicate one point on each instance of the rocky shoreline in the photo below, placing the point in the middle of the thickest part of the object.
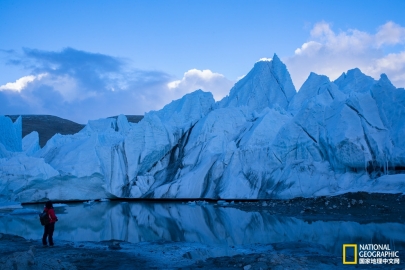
(359, 206)
(19, 253)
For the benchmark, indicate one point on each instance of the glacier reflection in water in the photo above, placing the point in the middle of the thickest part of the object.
(208, 224)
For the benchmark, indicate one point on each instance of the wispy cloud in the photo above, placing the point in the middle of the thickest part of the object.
(331, 53)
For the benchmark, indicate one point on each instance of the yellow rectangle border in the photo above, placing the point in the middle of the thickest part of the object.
(355, 253)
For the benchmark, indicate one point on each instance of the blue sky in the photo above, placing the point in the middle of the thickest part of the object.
(88, 59)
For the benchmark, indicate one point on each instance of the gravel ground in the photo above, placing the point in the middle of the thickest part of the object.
(18, 253)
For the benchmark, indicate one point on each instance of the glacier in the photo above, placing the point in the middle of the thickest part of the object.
(264, 140)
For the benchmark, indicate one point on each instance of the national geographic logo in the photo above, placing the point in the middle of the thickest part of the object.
(354, 246)
(369, 254)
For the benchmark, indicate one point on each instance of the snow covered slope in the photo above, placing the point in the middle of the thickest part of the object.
(264, 140)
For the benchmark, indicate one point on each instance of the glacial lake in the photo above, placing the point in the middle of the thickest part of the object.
(204, 223)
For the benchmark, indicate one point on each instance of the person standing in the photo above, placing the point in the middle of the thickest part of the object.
(50, 227)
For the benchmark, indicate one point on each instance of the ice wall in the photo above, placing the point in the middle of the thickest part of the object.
(264, 140)
(11, 133)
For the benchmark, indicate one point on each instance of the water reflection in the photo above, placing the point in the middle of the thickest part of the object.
(137, 222)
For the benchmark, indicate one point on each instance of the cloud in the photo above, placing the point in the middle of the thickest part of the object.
(205, 80)
(331, 53)
(392, 64)
(390, 34)
(80, 86)
(21, 83)
(309, 48)
(91, 71)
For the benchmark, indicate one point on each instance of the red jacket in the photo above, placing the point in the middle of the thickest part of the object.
(51, 214)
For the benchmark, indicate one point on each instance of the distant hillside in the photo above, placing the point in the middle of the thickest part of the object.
(49, 125)
(46, 126)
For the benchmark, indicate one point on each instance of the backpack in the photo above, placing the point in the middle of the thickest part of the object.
(44, 218)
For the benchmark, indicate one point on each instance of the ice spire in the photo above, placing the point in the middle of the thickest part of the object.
(268, 84)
